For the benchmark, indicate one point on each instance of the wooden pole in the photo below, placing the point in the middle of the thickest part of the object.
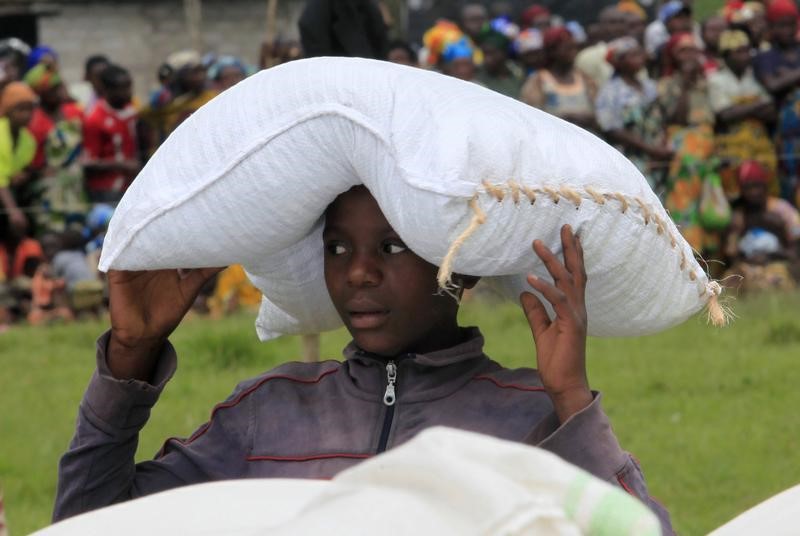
(270, 33)
(193, 11)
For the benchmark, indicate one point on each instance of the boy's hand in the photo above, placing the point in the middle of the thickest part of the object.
(561, 343)
(146, 306)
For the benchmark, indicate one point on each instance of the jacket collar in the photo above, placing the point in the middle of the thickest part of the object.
(419, 376)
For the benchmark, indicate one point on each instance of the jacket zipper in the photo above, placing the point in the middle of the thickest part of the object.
(389, 399)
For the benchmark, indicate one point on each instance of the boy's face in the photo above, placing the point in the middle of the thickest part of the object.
(386, 295)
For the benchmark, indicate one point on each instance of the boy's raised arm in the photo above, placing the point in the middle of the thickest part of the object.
(579, 430)
(134, 363)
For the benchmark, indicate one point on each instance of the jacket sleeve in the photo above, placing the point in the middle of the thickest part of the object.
(99, 469)
(587, 440)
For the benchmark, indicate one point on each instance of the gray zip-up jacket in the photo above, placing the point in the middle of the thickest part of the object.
(312, 420)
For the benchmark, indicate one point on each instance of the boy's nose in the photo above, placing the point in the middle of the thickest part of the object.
(364, 270)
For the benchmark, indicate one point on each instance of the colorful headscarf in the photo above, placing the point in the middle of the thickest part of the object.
(437, 38)
(506, 27)
(529, 40)
(38, 54)
(534, 12)
(458, 50)
(731, 40)
(223, 62)
(16, 93)
(779, 9)
(678, 42)
(42, 78)
(619, 47)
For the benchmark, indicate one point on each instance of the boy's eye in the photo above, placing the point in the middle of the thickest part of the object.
(335, 248)
(393, 248)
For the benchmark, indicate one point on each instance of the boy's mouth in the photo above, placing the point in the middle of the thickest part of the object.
(368, 319)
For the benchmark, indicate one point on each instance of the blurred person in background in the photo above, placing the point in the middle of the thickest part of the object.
(91, 89)
(56, 123)
(42, 55)
(625, 112)
(536, 17)
(110, 160)
(560, 88)
(13, 59)
(472, 19)
(17, 148)
(673, 17)
(458, 60)
(449, 50)
(498, 72)
(749, 17)
(401, 52)
(529, 49)
(763, 241)
(354, 28)
(744, 110)
(684, 100)
(613, 24)
(48, 296)
(66, 254)
(19, 258)
(278, 52)
(191, 88)
(227, 71)
(710, 30)
(778, 70)
(636, 18)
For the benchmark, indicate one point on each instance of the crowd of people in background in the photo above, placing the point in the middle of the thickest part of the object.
(709, 111)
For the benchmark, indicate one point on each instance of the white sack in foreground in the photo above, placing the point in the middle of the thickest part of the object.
(467, 177)
(443, 482)
(777, 516)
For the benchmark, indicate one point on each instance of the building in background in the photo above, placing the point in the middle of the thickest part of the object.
(141, 34)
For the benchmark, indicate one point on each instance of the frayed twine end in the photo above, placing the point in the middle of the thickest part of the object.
(446, 269)
(718, 314)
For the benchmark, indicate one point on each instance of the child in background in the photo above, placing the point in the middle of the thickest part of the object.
(410, 366)
(67, 256)
(110, 160)
(48, 297)
(763, 242)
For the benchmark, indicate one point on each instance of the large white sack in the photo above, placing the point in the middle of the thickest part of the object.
(442, 482)
(777, 516)
(467, 177)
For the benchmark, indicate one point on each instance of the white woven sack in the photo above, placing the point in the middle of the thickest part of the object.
(444, 481)
(467, 177)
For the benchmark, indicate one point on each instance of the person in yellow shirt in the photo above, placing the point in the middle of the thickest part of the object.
(17, 145)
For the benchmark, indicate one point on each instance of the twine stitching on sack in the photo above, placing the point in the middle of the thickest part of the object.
(717, 314)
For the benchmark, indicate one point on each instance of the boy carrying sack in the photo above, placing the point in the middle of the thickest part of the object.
(394, 250)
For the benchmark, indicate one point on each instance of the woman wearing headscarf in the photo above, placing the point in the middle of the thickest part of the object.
(17, 146)
(497, 72)
(57, 125)
(625, 112)
(560, 88)
(743, 111)
(689, 120)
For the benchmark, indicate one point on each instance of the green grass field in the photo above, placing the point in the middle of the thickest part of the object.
(710, 413)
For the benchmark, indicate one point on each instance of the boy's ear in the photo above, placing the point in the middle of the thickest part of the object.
(466, 281)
